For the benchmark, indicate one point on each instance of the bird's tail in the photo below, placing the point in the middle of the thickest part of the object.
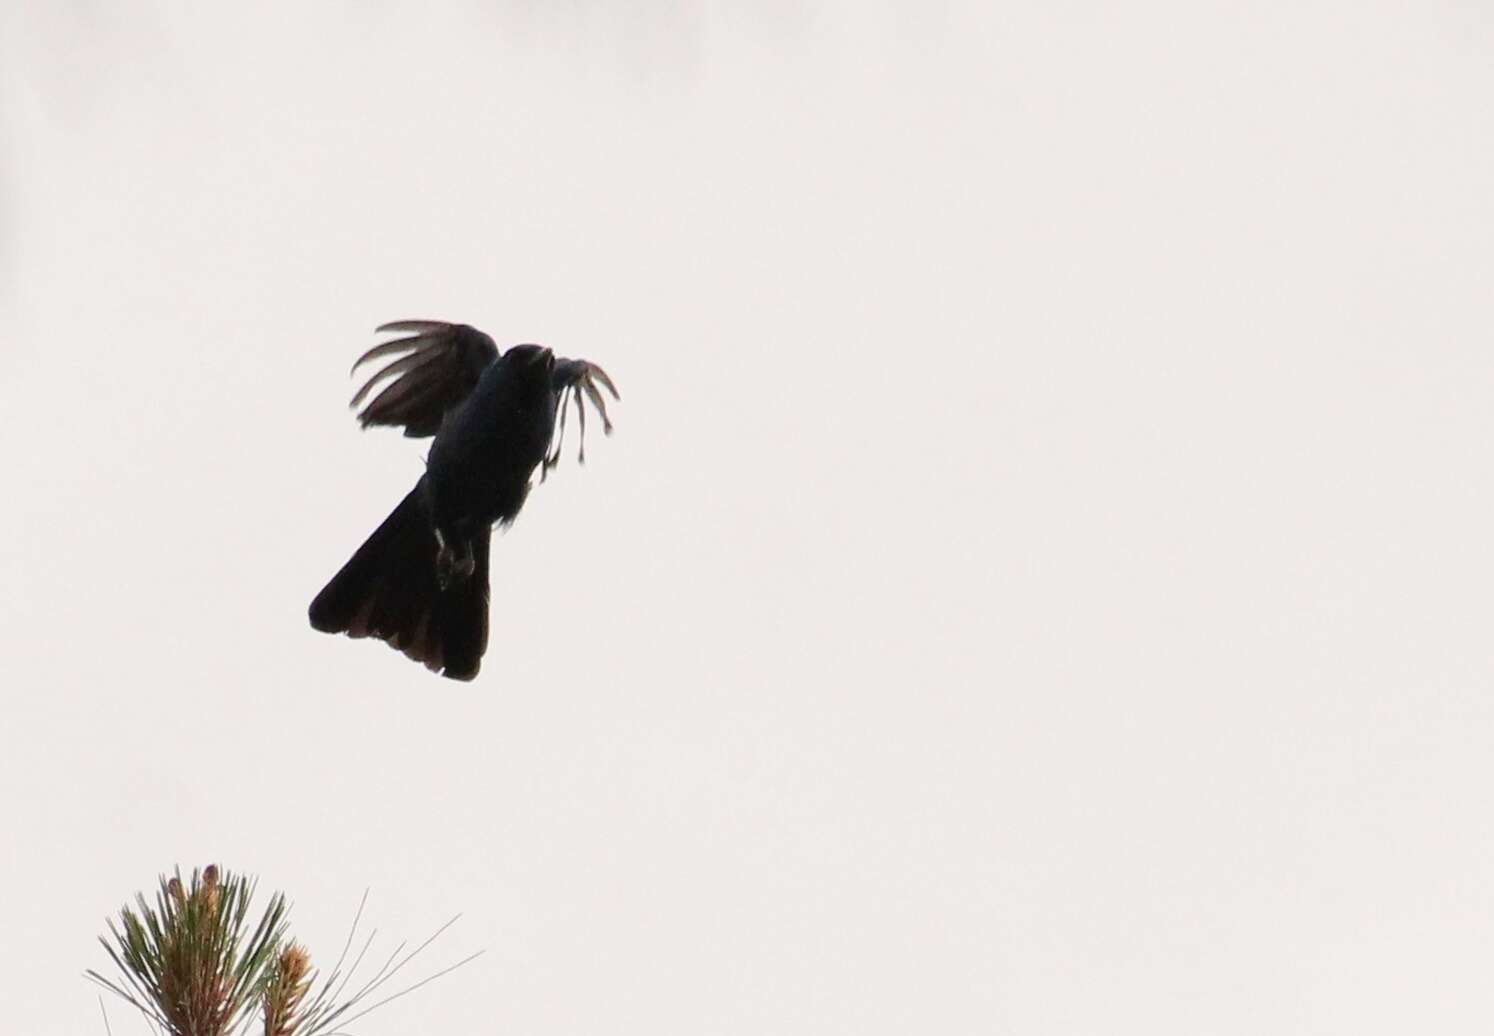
(389, 589)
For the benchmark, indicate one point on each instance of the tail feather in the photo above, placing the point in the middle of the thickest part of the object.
(461, 615)
(388, 589)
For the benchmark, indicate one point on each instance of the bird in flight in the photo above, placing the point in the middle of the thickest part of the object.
(420, 582)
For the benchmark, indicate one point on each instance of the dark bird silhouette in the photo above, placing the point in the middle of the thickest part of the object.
(420, 582)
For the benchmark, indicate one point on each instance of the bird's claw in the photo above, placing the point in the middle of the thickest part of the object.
(450, 568)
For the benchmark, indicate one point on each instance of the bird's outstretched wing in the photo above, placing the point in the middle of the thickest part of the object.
(578, 380)
(440, 366)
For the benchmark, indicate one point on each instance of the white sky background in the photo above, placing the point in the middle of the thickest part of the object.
(1040, 581)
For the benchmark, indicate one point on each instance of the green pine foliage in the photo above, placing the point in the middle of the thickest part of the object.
(194, 964)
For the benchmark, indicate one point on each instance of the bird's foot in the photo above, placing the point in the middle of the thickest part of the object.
(466, 564)
(451, 567)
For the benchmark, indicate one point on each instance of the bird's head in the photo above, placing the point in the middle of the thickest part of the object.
(533, 358)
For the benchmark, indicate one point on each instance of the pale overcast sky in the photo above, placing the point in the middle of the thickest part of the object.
(1039, 583)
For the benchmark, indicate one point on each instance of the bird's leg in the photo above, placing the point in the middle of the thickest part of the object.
(451, 567)
(445, 561)
(467, 563)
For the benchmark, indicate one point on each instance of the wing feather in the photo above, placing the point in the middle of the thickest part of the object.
(399, 366)
(440, 365)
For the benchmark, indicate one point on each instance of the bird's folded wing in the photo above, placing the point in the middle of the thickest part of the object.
(436, 367)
